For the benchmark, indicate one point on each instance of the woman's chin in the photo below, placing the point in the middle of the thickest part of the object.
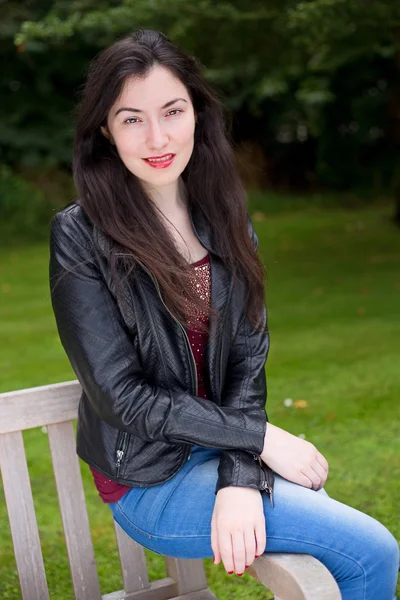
(155, 182)
(157, 177)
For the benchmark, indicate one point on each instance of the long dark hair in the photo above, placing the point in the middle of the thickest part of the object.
(115, 201)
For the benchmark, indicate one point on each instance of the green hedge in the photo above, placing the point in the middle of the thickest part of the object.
(25, 211)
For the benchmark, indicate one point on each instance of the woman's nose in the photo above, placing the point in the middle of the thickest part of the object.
(156, 137)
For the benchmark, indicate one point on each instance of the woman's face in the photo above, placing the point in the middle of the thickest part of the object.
(152, 126)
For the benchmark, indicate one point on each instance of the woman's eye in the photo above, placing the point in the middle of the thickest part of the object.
(174, 110)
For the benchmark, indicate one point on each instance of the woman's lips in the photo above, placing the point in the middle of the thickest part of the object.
(160, 163)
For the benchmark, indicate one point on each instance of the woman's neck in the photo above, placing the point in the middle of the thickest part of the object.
(171, 199)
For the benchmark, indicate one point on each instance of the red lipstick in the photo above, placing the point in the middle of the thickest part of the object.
(160, 162)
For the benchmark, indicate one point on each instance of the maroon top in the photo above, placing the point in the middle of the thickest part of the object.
(111, 491)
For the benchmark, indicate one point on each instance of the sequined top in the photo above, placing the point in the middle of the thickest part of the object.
(112, 491)
(198, 340)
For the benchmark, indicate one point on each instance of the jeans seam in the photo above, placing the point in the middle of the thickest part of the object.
(121, 512)
(269, 537)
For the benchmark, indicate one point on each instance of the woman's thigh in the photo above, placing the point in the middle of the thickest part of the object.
(174, 519)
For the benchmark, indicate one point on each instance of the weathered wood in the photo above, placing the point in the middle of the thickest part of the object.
(21, 514)
(188, 574)
(133, 561)
(162, 589)
(295, 577)
(289, 576)
(74, 515)
(160, 592)
(202, 595)
(38, 406)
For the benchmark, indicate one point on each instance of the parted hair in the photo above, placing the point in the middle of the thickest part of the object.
(116, 202)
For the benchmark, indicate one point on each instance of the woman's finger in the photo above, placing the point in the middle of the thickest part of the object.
(322, 461)
(239, 551)
(217, 557)
(261, 537)
(312, 476)
(214, 543)
(304, 480)
(249, 545)
(319, 469)
(225, 549)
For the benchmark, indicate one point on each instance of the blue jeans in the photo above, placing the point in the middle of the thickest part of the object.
(174, 519)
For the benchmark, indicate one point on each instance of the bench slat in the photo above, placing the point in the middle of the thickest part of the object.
(202, 595)
(133, 562)
(21, 513)
(52, 404)
(73, 509)
(188, 574)
(289, 576)
(162, 589)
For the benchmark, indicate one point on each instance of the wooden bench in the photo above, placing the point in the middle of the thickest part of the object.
(288, 576)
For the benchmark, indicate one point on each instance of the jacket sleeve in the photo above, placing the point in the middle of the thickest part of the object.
(103, 357)
(245, 386)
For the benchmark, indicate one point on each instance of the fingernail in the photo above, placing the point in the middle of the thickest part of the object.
(230, 572)
(247, 566)
(240, 574)
(257, 556)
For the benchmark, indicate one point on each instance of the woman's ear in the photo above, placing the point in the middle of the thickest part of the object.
(107, 134)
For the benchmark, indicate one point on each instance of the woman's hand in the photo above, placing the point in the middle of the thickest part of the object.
(293, 458)
(238, 528)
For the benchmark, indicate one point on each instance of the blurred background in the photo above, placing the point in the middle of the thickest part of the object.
(314, 92)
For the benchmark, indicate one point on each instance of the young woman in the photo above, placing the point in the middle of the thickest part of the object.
(158, 294)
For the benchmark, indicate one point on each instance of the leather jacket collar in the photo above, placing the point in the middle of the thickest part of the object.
(221, 278)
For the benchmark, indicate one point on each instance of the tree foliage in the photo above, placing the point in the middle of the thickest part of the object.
(313, 83)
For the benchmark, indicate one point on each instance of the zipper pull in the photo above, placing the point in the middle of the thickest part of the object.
(269, 491)
(256, 457)
(120, 454)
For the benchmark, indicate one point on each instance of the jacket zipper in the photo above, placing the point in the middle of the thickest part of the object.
(175, 319)
(121, 451)
(220, 362)
(222, 346)
(264, 483)
(266, 479)
(188, 343)
(183, 329)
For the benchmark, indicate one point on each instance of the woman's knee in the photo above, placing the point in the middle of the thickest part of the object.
(388, 547)
(382, 550)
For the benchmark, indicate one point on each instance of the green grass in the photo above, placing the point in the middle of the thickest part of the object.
(333, 295)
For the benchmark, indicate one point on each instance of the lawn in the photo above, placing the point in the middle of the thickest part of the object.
(333, 295)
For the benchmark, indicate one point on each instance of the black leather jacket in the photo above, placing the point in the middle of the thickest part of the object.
(139, 412)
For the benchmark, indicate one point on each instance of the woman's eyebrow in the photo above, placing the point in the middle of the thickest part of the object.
(170, 103)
